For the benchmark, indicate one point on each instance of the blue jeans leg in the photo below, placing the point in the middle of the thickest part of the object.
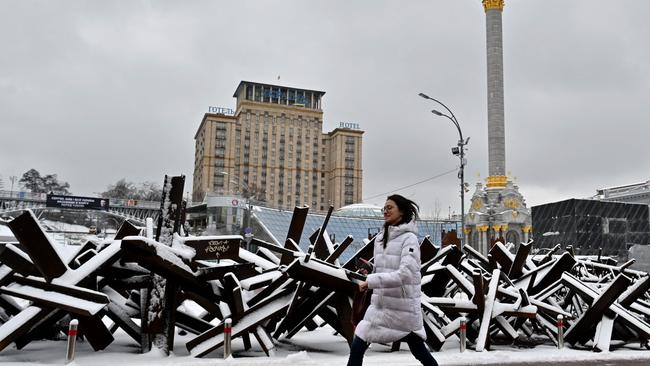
(419, 350)
(357, 350)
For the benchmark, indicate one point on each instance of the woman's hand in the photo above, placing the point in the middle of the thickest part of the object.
(363, 286)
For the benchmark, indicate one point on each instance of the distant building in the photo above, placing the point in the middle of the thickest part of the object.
(272, 148)
(630, 193)
(589, 225)
(361, 210)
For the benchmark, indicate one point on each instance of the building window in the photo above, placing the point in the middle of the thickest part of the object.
(249, 92)
(258, 94)
(218, 180)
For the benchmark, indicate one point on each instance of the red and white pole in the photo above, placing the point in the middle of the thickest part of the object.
(463, 334)
(72, 340)
(560, 331)
(227, 336)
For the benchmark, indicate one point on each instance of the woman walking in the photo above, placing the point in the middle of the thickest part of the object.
(394, 313)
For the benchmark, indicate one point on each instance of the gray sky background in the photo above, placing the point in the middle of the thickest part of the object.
(95, 91)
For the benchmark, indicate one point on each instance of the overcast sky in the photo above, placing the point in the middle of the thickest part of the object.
(96, 91)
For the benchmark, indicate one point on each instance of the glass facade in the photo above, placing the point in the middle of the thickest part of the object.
(589, 225)
(360, 210)
(282, 95)
(273, 224)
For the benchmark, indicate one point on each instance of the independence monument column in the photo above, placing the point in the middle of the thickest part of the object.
(498, 211)
(496, 129)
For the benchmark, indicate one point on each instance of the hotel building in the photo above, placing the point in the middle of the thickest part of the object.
(271, 148)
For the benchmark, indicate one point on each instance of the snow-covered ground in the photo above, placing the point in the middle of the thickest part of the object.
(74, 235)
(6, 234)
(319, 347)
(63, 226)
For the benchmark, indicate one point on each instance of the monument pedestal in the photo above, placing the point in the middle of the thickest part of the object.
(497, 212)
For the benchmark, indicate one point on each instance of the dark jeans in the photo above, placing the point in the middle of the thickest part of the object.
(416, 345)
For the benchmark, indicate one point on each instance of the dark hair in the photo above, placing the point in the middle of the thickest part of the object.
(408, 208)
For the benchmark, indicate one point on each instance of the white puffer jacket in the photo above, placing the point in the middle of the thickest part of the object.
(395, 309)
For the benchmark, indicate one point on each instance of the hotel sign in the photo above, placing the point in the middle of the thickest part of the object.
(225, 247)
(350, 125)
(221, 110)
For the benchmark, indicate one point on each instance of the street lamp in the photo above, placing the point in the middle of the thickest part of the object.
(460, 152)
(13, 180)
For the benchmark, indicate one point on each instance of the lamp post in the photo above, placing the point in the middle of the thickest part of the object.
(13, 180)
(458, 150)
